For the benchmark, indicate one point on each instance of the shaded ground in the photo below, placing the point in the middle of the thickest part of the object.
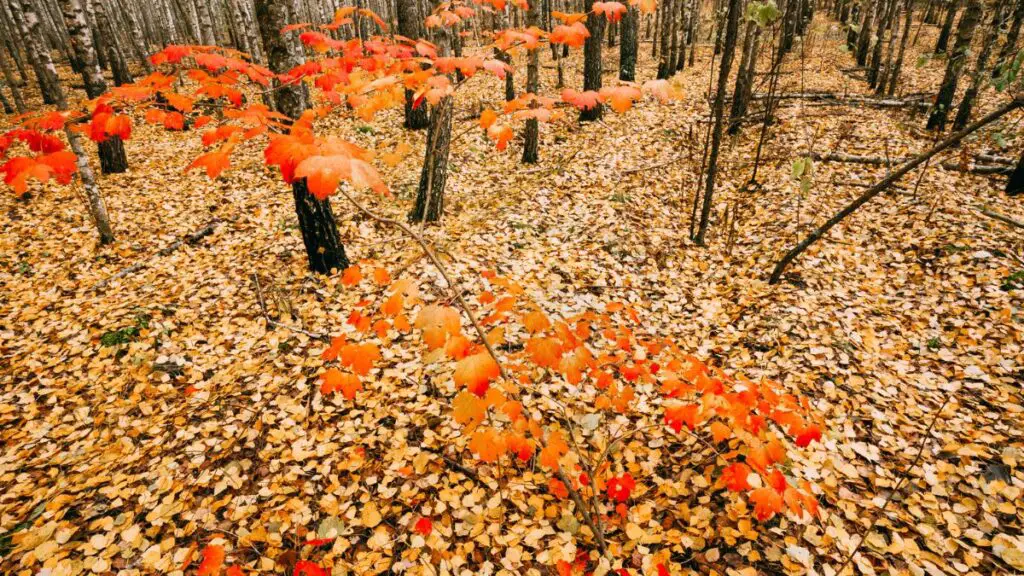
(108, 465)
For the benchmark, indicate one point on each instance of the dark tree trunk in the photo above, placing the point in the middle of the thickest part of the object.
(963, 113)
(788, 26)
(416, 117)
(532, 140)
(629, 45)
(851, 33)
(947, 28)
(592, 60)
(667, 18)
(434, 174)
(38, 52)
(673, 48)
(681, 14)
(12, 84)
(876, 53)
(864, 36)
(1010, 47)
(955, 65)
(324, 250)
(510, 82)
(1015, 184)
(693, 27)
(729, 49)
(744, 77)
(894, 74)
(115, 52)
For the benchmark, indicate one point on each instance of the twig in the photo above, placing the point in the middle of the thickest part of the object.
(275, 323)
(440, 268)
(594, 527)
(190, 238)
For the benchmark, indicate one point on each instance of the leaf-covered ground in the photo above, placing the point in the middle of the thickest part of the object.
(147, 417)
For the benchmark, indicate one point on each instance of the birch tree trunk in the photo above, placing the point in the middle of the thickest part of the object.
(202, 8)
(111, 150)
(38, 51)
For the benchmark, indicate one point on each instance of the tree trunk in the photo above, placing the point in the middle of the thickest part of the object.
(111, 150)
(693, 27)
(416, 117)
(38, 52)
(864, 36)
(19, 102)
(955, 65)
(673, 48)
(1010, 47)
(592, 60)
(876, 53)
(947, 27)
(851, 32)
(666, 39)
(97, 207)
(532, 140)
(894, 74)
(1015, 184)
(115, 53)
(728, 51)
(744, 77)
(629, 45)
(324, 250)
(434, 174)
(205, 22)
(788, 26)
(963, 113)
(883, 76)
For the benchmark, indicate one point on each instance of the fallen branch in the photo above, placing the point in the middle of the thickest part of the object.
(1001, 217)
(877, 189)
(190, 238)
(993, 159)
(848, 100)
(880, 161)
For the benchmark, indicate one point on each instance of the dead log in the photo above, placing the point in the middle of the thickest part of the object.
(849, 100)
(993, 159)
(1001, 217)
(882, 161)
(877, 189)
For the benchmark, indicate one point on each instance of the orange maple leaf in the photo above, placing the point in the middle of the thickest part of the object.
(488, 444)
(213, 559)
(476, 372)
(553, 452)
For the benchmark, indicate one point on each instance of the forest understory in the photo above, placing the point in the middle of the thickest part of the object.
(161, 391)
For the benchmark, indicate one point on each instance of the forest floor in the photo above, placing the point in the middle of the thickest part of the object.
(109, 465)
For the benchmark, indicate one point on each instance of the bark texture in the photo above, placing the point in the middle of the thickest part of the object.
(324, 250)
(956, 63)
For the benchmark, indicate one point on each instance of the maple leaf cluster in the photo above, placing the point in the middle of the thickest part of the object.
(599, 354)
(196, 86)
